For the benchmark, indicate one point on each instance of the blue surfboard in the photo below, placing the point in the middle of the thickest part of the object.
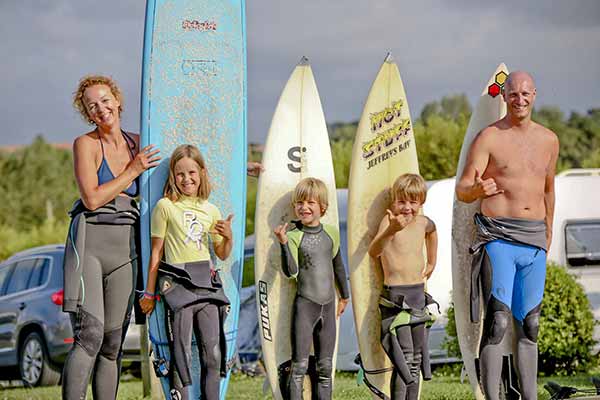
(194, 91)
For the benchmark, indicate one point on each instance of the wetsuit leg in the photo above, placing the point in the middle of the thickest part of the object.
(306, 314)
(324, 339)
(118, 302)
(88, 327)
(403, 345)
(182, 342)
(527, 298)
(497, 316)
(418, 336)
(207, 329)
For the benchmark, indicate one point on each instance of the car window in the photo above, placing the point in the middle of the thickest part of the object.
(582, 241)
(5, 273)
(39, 274)
(20, 276)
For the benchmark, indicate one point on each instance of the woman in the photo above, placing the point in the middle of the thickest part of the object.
(101, 259)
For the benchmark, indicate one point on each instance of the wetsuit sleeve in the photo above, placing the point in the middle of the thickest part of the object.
(288, 261)
(158, 225)
(341, 278)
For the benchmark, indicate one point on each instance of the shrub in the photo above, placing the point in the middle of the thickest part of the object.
(566, 339)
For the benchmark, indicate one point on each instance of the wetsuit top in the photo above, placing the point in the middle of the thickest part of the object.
(312, 256)
(185, 226)
(106, 175)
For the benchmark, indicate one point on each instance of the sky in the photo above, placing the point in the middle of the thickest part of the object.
(441, 48)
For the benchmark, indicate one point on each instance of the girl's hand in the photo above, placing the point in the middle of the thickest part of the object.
(147, 158)
(147, 305)
(280, 233)
(223, 227)
(342, 303)
(428, 271)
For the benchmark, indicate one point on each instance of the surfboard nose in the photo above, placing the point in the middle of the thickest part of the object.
(304, 61)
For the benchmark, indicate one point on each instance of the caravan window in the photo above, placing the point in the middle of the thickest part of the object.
(582, 241)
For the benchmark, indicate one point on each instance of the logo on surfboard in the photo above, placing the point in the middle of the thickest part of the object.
(496, 88)
(265, 321)
(199, 67)
(390, 141)
(195, 25)
(297, 155)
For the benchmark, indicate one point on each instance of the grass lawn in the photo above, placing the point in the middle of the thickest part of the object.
(243, 387)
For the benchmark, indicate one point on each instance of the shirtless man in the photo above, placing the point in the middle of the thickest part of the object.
(404, 316)
(511, 167)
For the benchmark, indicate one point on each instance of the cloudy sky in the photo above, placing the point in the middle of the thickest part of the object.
(441, 48)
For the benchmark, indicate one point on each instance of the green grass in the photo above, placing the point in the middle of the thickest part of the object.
(243, 387)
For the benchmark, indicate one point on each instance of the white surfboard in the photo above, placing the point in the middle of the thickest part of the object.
(384, 148)
(490, 108)
(297, 147)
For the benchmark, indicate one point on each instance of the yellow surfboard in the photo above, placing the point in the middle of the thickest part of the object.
(488, 110)
(384, 148)
(297, 147)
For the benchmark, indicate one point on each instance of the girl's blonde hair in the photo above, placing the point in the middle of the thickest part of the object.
(171, 191)
(410, 187)
(311, 188)
(89, 81)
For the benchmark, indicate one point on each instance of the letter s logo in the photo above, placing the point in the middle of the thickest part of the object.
(295, 155)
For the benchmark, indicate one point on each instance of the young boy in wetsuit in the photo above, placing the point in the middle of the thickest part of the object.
(311, 255)
(404, 315)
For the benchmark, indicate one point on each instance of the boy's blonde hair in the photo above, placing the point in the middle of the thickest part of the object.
(311, 188)
(171, 191)
(410, 187)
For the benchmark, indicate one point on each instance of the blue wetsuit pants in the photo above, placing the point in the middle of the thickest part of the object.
(518, 275)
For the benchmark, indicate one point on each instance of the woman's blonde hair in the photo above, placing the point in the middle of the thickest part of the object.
(171, 191)
(311, 189)
(89, 81)
(410, 187)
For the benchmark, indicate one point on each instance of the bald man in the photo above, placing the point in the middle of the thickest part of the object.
(511, 167)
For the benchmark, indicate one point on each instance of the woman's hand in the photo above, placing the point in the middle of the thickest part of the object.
(145, 159)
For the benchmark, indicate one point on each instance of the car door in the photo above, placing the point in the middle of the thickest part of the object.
(6, 351)
(13, 304)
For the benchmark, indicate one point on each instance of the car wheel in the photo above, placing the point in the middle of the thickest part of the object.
(34, 364)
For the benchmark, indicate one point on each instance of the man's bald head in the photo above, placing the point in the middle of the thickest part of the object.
(519, 76)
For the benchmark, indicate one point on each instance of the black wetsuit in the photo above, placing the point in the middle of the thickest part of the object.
(312, 256)
(404, 335)
(100, 273)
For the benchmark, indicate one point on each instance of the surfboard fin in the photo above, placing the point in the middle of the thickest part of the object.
(509, 379)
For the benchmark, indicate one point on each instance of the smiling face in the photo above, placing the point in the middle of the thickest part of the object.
(101, 105)
(519, 95)
(309, 211)
(409, 208)
(187, 176)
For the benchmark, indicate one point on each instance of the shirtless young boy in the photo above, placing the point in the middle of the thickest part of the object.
(399, 245)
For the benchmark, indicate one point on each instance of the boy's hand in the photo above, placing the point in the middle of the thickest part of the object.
(342, 303)
(223, 227)
(428, 271)
(147, 305)
(397, 222)
(280, 233)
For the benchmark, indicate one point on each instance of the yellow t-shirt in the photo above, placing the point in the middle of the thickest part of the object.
(185, 226)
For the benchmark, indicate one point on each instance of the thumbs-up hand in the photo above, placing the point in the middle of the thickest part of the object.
(223, 227)
(397, 222)
(280, 233)
(485, 187)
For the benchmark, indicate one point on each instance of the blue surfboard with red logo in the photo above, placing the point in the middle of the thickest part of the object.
(194, 91)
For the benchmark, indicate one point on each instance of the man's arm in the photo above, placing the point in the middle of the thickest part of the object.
(549, 191)
(470, 185)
